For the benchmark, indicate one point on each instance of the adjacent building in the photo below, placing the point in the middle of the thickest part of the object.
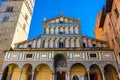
(15, 18)
(60, 53)
(108, 26)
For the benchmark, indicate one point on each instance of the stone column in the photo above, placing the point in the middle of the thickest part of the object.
(1, 75)
(52, 76)
(68, 30)
(20, 74)
(8, 76)
(88, 72)
(117, 71)
(102, 72)
(99, 55)
(55, 76)
(68, 76)
(33, 75)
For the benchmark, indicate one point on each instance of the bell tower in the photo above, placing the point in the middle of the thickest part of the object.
(15, 18)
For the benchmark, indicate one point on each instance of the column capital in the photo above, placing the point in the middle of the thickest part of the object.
(32, 72)
(1, 72)
(87, 69)
(53, 73)
(102, 68)
(68, 71)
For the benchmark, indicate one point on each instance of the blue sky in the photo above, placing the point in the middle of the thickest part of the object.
(86, 10)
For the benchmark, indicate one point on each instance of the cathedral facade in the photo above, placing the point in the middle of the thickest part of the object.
(60, 53)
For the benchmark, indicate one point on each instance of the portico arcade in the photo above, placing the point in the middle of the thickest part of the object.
(59, 68)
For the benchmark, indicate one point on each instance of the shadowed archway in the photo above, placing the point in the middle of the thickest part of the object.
(11, 72)
(43, 72)
(60, 66)
(26, 72)
(95, 72)
(78, 72)
(110, 72)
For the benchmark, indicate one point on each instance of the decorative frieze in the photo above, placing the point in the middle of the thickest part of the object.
(71, 55)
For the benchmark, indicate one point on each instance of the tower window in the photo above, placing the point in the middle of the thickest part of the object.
(9, 9)
(5, 18)
(26, 17)
(24, 26)
(113, 42)
(116, 12)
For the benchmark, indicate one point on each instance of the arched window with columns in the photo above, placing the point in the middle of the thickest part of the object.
(84, 43)
(61, 43)
(66, 30)
(51, 43)
(71, 30)
(72, 43)
(38, 45)
(61, 30)
(67, 43)
(46, 43)
(56, 43)
(44, 31)
(52, 30)
(93, 44)
(56, 30)
(76, 30)
(47, 30)
(89, 43)
(77, 43)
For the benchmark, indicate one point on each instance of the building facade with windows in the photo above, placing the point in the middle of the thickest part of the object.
(60, 53)
(108, 26)
(15, 18)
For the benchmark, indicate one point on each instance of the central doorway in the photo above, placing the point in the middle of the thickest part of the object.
(60, 75)
(60, 66)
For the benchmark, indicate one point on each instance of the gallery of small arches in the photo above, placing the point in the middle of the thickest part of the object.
(59, 71)
(61, 30)
(69, 43)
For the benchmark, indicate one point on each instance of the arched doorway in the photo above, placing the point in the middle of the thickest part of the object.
(110, 72)
(78, 72)
(43, 72)
(95, 72)
(60, 65)
(26, 72)
(11, 72)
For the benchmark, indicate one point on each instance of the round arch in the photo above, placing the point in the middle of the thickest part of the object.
(60, 67)
(110, 72)
(78, 70)
(26, 72)
(57, 54)
(95, 72)
(43, 72)
(11, 72)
